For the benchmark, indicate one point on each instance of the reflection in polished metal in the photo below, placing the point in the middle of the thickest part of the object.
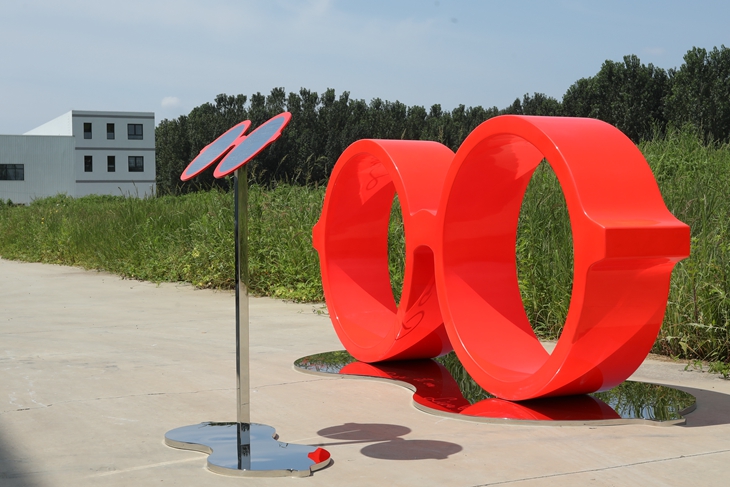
(442, 386)
(240, 222)
(215, 151)
(261, 456)
(243, 448)
(252, 144)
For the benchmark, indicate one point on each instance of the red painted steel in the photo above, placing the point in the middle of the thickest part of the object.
(460, 216)
(352, 239)
(435, 388)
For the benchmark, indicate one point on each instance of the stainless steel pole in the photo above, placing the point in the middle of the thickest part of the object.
(240, 182)
(243, 433)
(244, 448)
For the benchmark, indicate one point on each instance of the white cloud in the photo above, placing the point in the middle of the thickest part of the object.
(170, 101)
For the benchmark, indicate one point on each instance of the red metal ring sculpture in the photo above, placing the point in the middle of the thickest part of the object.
(352, 239)
(460, 217)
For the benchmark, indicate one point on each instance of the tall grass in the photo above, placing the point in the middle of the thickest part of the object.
(544, 253)
(190, 238)
(695, 181)
(174, 238)
(396, 249)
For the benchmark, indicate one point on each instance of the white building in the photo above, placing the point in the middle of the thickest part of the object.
(80, 153)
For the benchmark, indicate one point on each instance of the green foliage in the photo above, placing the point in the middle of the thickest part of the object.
(396, 249)
(282, 262)
(322, 127)
(641, 100)
(539, 104)
(719, 367)
(700, 93)
(694, 178)
(187, 238)
(628, 95)
(544, 252)
(644, 100)
(716, 367)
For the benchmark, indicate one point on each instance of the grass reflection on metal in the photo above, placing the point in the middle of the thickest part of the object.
(472, 391)
(648, 401)
(327, 362)
(626, 402)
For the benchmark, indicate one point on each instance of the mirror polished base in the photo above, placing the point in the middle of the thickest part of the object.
(252, 451)
(441, 386)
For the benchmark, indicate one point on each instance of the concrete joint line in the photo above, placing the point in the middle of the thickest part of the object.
(565, 474)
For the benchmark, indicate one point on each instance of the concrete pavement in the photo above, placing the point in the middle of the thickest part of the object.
(95, 369)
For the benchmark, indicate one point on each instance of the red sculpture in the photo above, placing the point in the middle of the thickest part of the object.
(460, 214)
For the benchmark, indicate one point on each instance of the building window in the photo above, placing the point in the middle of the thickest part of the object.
(87, 130)
(111, 163)
(110, 131)
(134, 131)
(88, 163)
(136, 163)
(12, 172)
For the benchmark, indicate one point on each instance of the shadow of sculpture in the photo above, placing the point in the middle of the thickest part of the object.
(13, 471)
(713, 408)
(387, 442)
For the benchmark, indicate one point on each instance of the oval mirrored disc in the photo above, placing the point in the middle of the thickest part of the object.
(252, 145)
(214, 151)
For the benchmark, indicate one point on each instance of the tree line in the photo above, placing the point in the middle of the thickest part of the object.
(641, 100)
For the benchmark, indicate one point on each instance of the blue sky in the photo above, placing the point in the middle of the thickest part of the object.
(169, 56)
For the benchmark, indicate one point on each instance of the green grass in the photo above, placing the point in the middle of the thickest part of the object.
(174, 238)
(190, 238)
(544, 253)
(695, 181)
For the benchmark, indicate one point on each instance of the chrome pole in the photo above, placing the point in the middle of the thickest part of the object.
(243, 396)
(240, 182)
(244, 448)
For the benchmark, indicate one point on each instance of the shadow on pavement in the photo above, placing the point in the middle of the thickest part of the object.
(13, 472)
(713, 408)
(387, 443)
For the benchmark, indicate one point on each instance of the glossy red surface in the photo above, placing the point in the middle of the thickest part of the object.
(436, 389)
(352, 239)
(434, 386)
(460, 217)
(319, 455)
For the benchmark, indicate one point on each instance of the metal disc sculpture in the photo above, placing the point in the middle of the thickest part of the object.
(460, 289)
(243, 448)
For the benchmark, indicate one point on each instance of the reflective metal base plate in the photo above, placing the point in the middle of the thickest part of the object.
(443, 387)
(249, 451)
